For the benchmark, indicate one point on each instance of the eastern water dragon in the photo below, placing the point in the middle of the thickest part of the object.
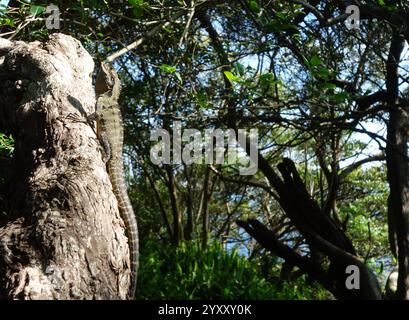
(110, 134)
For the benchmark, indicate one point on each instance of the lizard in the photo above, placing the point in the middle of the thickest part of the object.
(110, 134)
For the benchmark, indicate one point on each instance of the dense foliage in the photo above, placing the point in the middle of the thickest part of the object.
(188, 272)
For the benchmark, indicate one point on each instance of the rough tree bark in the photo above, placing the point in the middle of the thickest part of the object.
(65, 238)
(397, 165)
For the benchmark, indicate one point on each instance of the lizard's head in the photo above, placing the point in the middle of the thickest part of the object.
(107, 79)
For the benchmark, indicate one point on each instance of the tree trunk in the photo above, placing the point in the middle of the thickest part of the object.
(397, 165)
(64, 238)
(321, 233)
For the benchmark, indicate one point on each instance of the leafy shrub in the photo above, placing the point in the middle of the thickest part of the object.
(188, 272)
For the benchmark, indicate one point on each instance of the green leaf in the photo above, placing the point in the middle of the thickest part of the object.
(389, 7)
(239, 68)
(254, 6)
(6, 143)
(281, 15)
(138, 12)
(231, 77)
(135, 3)
(202, 100)
(341, 96)
(266, 78)
(315, 61)
(177, 74)
(330, 86)
(167, 68)
(279, 25)
(36, 10)
(138, 7)
(322, 73)
(7, 21)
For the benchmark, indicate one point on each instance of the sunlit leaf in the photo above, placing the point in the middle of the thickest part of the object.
(167, 68)
(36, 10)
(177, 74)
(231, 77)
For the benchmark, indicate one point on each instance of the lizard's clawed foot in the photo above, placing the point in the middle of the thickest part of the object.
(92, 117)
(77, 118)
(74, 117)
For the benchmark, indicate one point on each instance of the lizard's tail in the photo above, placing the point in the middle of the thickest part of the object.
(133, 240)
(129, 218)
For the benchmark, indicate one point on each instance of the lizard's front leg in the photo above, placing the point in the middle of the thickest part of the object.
(101, 134)
(97, 114)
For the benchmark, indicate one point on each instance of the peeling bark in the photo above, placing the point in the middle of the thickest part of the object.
(65, 238)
